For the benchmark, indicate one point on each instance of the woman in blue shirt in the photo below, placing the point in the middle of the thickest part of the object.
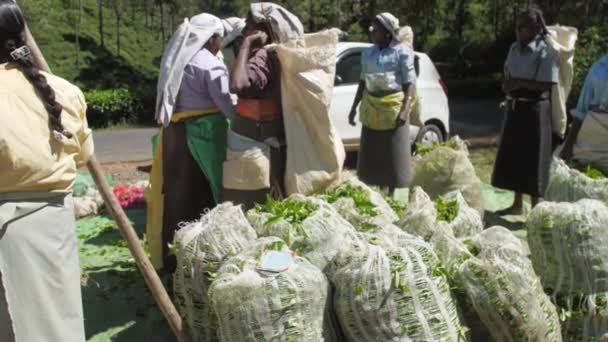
(385, 92)
(587, 141)
(524, 155)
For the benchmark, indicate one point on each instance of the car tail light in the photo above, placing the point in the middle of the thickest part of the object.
(444, 87)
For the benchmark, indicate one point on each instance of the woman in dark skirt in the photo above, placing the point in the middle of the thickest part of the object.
(386, 90)
(526, 145)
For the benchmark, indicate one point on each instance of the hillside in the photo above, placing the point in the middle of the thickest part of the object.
(54, 23)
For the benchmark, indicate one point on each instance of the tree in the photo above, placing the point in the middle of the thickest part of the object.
(100, 11)
(118, 11)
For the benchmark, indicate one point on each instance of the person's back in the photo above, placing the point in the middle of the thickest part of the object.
(32, 159)
(43, 139)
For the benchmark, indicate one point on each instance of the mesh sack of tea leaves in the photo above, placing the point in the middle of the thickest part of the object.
(507, 295)
(448, 214)
(310, 226)
(585, 318)
(444, 168)
(462, 220)
(498, 241)
(420, 218)
(569, 245)
(393, 294)
(360, 205)
(257, 305)
(568, 184)
(454, 252)
(200, 248)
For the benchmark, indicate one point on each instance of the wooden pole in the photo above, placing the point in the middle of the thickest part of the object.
(124, 226)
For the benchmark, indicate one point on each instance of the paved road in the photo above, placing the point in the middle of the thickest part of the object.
(124, 145)
(469, 119)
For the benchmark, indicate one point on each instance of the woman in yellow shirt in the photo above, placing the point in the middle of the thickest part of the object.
(44, 138)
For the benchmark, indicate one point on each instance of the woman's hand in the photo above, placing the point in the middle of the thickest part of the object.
(401, 119)
(258, 37)
(351, 117)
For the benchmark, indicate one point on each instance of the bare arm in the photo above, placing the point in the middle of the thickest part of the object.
(408, 90)
(358, 97)
(239, 78)
(575, 128)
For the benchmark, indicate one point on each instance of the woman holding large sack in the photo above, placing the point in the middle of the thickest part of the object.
(44, 138)
(526, 144)
(257, 153)
(386, 96)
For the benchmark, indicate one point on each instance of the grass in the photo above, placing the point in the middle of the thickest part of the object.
(483, 161)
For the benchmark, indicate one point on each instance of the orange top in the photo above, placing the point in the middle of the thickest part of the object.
(259, 109)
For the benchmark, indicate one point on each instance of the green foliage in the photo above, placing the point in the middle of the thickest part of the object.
(397, 206)
(446, 210)
(363, 204)
(292, 211)
(592, 45)
(422, 150)
(468, 37)
(588, 170)
(111, 106)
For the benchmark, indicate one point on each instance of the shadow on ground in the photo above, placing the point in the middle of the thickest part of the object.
(117, 303)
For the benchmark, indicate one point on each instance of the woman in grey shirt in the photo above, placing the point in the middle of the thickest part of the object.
(524, 155)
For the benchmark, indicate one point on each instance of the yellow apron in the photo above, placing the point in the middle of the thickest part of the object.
(380, 113)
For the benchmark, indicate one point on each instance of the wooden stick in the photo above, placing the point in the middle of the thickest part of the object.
(124, 226)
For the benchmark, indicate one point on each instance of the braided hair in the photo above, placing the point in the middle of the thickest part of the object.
(12, 29)
(535, 14)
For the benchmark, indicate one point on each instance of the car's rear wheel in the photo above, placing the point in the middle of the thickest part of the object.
(430, 135)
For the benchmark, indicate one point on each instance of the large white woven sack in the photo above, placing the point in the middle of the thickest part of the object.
(569, 246)
(447, 168)
(254, 305)
(394, 294)
(315, 153)
(200, 248)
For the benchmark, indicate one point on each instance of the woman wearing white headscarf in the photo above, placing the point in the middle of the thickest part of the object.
(233, 29)
(193, 102)
(386, 95)
(258, 125)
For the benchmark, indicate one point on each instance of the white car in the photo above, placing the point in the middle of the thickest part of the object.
(432, 92)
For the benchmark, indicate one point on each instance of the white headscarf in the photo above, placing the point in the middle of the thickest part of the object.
(285, 25)
(391, 24)
(189, 39)
(233, 27)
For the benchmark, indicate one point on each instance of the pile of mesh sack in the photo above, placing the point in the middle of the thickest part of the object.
(569, 250)
(568, 184)
(392, 289)
(448, 214)
(310, 226)
(200, 248)
(444, 168)
(257, 305)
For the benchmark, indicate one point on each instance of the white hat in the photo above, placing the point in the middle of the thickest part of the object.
(390, 23)
(190, 38)
(233, 27)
